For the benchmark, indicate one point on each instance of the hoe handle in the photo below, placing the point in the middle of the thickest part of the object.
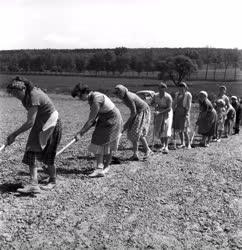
(66, 146)
(2, 147)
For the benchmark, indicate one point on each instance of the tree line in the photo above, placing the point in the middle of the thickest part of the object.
(173, 64)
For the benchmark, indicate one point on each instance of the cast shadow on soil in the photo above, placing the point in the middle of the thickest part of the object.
(86, 171)
(82, 171)
(82, 157)
(23, 173)
(9, 187)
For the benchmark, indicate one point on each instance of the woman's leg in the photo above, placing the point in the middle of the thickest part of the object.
(208, 140)
(187, 137)
(182, 138)
(145, 144)
(98, 172)
(52, 173)
(135, 149)
(52, 178)
(165, 140)
(226, 129)
(33, 174)
(33, 187)
(99, 160)
(219, 135)
(162, 143)
(106, 161)
(148, 151)
(203, 142)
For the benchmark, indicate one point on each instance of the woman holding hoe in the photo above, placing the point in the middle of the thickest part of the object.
(108, 127)
(138, 123)
(44, 137)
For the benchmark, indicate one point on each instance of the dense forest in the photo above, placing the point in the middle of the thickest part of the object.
(117, 61)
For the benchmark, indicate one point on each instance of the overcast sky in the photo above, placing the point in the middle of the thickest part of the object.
(113, 23)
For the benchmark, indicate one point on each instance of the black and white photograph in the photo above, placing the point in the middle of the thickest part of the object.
(120, 124)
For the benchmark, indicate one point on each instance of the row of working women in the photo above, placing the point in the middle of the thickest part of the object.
(45, 127)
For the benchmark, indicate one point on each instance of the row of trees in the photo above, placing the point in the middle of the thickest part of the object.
(120, 60)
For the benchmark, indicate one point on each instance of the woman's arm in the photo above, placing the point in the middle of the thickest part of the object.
(32, 112)
(131, 104)
(189, 104)
(169, 106)
(92, 118)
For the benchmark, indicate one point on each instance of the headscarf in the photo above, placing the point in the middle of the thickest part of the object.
(20, 83)
(162, 85)
(203, 93)
(220, 103)
(183, 85)
(122, 90)
(80, 89)
(15, 84)
(233, 97)
(223, 87)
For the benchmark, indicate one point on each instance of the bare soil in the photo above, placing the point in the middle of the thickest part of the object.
(188, 199)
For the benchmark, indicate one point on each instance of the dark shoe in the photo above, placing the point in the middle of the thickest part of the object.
(29, 189)
(134, 158)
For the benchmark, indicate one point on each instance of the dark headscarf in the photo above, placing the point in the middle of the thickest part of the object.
(80, 89)
(21, 83)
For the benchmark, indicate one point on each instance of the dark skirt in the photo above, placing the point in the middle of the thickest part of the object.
(207, 123)
(47, 156)
(181, 121)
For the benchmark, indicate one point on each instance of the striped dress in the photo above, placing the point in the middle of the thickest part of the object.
(163, 121)
(138, 124)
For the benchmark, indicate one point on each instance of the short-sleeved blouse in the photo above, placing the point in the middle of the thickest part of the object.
(45, 109)
(131, 98)
(45, 106)
(162, 102)
(104, 102)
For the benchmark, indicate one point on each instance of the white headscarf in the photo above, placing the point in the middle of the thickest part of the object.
(122, 89)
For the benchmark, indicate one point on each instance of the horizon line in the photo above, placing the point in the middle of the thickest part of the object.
(111, 48)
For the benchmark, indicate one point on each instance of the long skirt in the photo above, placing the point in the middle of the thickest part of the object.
(181, 120)
(207, 123)
(140, 125)
(107, 133)
(47, 156)
(163, 124)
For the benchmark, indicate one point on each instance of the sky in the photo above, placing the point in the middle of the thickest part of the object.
(69, 24)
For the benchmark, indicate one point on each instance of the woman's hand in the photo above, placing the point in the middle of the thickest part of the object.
(10, 139)
(77, 136)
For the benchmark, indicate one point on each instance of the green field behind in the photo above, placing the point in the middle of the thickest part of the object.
(63, 84)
